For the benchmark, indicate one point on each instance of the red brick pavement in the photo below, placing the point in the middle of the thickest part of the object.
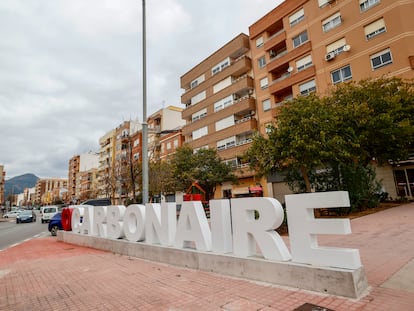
(43, 274)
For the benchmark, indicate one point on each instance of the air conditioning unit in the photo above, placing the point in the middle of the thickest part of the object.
(329, 56)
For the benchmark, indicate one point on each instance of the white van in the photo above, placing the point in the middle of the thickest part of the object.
(47, 212)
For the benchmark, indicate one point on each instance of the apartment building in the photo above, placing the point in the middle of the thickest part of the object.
(220, 109)
(82, 183)
(169, 141)
(106, 167)
(307, 46)
(50, 190)
(164, 121)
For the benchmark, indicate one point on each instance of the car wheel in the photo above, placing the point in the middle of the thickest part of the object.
(54, 230)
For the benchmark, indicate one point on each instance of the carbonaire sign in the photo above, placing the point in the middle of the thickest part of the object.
(233, 227)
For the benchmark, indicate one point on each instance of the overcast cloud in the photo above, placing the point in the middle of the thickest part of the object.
(71, 70)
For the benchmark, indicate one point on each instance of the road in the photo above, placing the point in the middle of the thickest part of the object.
(12, 233)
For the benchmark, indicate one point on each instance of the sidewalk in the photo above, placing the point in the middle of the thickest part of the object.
(43, 274)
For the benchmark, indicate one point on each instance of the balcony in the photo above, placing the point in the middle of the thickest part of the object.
(243, 171)
(275, 39)
(238, 67)
(244, 104)
(279, 85)
(237, 150)
(243, 83)
(285, 58)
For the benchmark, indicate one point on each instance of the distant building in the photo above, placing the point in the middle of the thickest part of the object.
(82, 175)
(162, 122)
(49, 190)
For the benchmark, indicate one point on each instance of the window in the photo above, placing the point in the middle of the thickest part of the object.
(337, 47)
(323, 2)
(300, 39)
(381, 59)
(264, 83)
(225, 123)
(199, 115)
(226, 143)
(198, 98)
(331, 22)
(374, 29)
(307, 88)
(175, 143)
(223, 103)
(296, 17)
(341, 75)
(366, 4)
(266, 104)
(220, 66)
(304, 63)
(197, 81)
(200, 132)
(259, 42)
(222, 85)
(168, 145)
(262, 62)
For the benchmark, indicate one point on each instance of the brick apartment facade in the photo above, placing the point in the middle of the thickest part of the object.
(220, 109)
(50, 190)
(300, 47)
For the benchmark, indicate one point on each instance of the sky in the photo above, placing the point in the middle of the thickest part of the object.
(71, 70)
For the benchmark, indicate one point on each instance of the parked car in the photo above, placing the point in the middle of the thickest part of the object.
(97, 202)
(55, 224)
(47, 212)
(11, 214)
(26, 216)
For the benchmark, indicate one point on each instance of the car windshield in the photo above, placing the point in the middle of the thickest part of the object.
(49, 210)
(25, 213)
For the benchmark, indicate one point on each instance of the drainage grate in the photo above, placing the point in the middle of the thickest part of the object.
(311, 307)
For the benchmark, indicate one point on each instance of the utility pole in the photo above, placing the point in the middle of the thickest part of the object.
(144, 111)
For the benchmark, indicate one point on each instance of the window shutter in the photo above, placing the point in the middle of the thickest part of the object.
(374, 26)
(337, 44)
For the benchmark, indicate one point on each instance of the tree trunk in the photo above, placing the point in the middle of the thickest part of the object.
(305, 176)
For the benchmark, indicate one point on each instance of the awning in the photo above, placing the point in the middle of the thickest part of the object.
(240, 190)
(256, 189)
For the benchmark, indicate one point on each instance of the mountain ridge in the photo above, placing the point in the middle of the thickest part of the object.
(17, 184)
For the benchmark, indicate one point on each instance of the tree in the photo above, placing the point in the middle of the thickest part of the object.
(304, 137)
(160, 178)
(356, 123)
(203, 166)
(380, 114)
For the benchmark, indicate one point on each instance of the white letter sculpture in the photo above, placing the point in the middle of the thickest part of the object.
(134, 220)
(193, 227)
(247, 229)
(220, 217)
(160, 223)
(303, 228)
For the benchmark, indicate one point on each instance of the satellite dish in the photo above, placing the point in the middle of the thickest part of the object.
(290, 69)
(347, 48)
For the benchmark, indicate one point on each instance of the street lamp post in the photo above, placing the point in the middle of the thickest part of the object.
(144, 111)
